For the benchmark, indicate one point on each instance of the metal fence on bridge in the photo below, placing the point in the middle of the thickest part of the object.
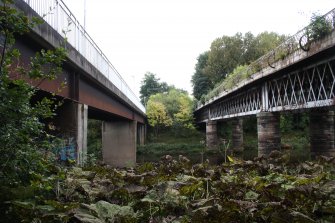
(59, 17)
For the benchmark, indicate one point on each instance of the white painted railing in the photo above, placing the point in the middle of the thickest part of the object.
(58, 16)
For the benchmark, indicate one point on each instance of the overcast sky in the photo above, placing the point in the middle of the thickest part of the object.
(166, 37)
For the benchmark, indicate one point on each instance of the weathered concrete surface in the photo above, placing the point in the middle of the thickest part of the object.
(82, 133)
(119, 143)
(70, 124)
(322, 133)
(268, 128)
(211, 135)
(237, 135)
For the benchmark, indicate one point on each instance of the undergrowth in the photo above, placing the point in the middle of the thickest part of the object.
(263, 190)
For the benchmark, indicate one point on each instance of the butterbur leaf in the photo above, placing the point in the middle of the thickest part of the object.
(251, 195)
(230, 159)
(87, 218)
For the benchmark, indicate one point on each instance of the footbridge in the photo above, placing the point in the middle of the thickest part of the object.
(93, 87)
(298, 75)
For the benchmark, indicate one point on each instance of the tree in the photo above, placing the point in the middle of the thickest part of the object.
(224, 55)
(157, 116)
(23, 139)
(150, 85)
(264, 42)
(178, 108)
(200, 81)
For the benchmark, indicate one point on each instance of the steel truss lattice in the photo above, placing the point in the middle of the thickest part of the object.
(309, 87)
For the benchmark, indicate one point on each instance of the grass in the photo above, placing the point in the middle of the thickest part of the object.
(293, 142)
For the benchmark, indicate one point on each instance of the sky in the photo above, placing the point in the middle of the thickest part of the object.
(165, 37)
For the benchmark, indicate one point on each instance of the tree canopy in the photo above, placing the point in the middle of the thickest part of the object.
(228, 52)
(200, 82)
(151, 85)
(171, 109)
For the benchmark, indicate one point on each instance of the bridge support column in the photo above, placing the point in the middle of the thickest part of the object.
(211, 135)
(140, 134)
(321, 132)
(237, 134)
(82, 112)
(71, 125)
(119, 143)
(268, 128)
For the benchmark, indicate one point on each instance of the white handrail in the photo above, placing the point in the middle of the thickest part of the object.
(59, 17)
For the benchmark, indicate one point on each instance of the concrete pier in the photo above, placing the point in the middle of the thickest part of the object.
(71, 125)
(268, 128)
(119, 143)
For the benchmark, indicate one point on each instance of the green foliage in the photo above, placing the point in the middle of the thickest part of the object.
(94, 144)
(239, 73)
(157, 115)
(150, 85)
(227, 59)
(25, 163)
(263, 190)
(224, 55)
(319, 27)
(22, 134)
(200, 82)
(173, 108)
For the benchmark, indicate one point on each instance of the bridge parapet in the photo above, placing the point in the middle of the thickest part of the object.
(62, 20)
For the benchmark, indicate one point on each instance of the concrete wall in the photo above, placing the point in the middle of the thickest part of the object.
(119, 143)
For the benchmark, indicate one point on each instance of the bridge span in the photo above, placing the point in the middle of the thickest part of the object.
(94, 89)
(299, 75)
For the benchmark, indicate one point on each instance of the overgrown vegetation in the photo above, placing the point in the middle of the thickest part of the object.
(227, 58)
(264, 190)
(24, 143)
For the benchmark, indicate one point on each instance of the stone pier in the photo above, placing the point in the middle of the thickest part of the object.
(237, 135)
(211, 135)
(268, 128)
(321, 132)
(119, 143)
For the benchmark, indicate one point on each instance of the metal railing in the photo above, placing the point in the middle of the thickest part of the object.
(321, 26)
(59, 17)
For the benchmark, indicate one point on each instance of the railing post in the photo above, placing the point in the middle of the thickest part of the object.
(57, 17)
(265, 97)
